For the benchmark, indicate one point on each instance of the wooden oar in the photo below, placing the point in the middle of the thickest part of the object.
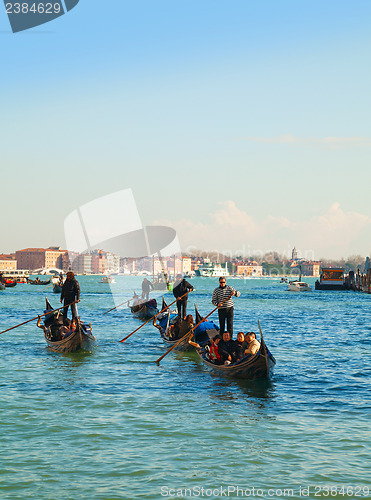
(39, 316)
(118, 305)
(151, 319)
(51, 284)
(192, 329)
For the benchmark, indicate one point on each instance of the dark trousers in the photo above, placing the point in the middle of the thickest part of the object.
(182, 306)
(226, 313)
(72, 306)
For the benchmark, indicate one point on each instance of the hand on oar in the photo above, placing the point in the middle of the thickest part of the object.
(39, 316)
(191, 331)
(155, 316)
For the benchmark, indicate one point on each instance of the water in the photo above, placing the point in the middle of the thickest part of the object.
(111, 424)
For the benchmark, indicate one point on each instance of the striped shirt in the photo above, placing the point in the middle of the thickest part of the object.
(221, 294)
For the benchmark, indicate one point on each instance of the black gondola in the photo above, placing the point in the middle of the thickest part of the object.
(81, 339)
(38, 282)
(251, 367)
(145, 310)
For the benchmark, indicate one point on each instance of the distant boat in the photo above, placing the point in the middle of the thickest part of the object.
(38, 282)
(107, 279)
(331, 279)
(211, 270)
(298, 285)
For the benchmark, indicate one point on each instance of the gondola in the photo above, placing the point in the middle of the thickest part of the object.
(57, 288)
(198, 333)
(81, 339)
(145, 310)
(2, 287)
(38, 282)
(9, 283)
(251, 367)
(165, 319)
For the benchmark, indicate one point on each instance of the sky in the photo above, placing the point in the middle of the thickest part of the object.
(243, 125)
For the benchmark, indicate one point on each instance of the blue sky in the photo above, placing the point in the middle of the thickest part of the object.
(240, 124)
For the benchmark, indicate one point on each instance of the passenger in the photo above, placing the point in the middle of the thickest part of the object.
(214, 355)
(68, 328)
(240, 346)
(253, 345)
(227, 348)
(186, 325)
(173, 330)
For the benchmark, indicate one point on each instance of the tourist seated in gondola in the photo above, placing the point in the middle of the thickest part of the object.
(52, 332)
(212, 351)
(240, 346)
(227, 347)
(173, 330)
(253, 345)
(185, 326)
(68, 328)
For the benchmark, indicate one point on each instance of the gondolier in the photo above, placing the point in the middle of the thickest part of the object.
(70, 293)
(225, 309)
(181, 286)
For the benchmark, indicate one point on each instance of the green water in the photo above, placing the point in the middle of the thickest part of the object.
(111, 424)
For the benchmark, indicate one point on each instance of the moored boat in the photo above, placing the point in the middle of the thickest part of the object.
(9, 283)
(331, 279)
(145, 310)
(81, 339)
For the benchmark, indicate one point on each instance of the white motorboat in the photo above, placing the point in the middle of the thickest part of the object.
(299, 286)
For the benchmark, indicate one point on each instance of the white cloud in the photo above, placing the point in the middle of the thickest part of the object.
(334, 233)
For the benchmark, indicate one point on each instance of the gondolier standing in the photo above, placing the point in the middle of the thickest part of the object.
(181, 286)
(70, 293)
(225, 309)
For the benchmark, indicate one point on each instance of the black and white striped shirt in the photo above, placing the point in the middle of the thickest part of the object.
(221, 294)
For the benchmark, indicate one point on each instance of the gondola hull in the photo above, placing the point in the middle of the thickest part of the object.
(74, 342)
(254, 367)
(57, 288)
(182, 346)
(146, 310)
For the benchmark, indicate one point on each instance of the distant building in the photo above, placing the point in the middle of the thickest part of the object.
(311, 268)
(38, 258)
(294, 254)
(82, 264)
(187, 265)
(7, 262)
(249, 269)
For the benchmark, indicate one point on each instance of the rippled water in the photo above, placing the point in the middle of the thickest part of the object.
(111, 424)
